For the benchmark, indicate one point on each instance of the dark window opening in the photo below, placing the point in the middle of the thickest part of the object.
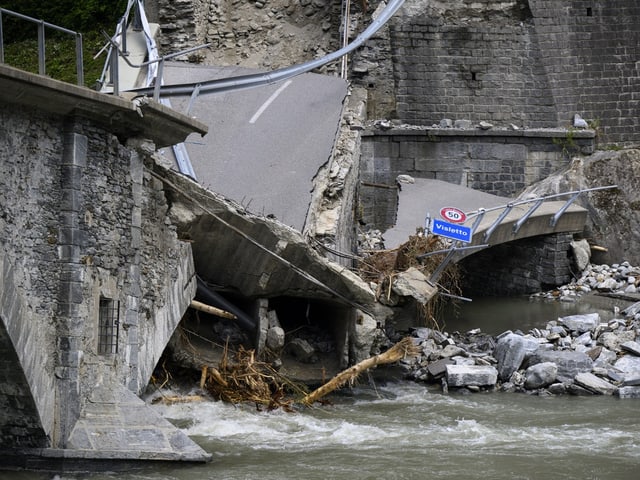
(589, 12)
(108, 326)
(473, 76)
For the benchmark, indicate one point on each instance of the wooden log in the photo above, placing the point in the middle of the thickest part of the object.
(203, 307)
(402, 349)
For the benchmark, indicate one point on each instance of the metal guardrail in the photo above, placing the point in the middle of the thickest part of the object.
(42, 67)
(259, 79)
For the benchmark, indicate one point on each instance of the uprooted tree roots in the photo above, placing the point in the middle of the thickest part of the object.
(245, 380)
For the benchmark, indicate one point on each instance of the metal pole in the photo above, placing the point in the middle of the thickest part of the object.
(1, 40)
(526, 216)
(42, 69)
(114, 71)
(79, 60)
(556, 217)
(497, 222)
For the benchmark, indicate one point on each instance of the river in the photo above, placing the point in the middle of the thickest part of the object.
(405, 430)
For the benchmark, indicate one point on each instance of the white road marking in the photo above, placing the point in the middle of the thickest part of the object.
(269, 101)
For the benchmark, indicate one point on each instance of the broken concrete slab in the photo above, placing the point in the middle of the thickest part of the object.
(413, 283)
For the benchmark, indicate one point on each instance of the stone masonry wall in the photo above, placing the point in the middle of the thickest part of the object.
(499, 162)
(480, 64)
(531, 63)
(81, 219)
(519, 268)
(591, 52)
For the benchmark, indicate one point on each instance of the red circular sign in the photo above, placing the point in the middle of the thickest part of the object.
(453, 215)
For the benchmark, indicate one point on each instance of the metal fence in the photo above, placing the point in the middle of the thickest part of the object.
(42, 25)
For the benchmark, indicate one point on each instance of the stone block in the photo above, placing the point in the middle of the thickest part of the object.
(471, 375)
(631, 347)
(595, 384)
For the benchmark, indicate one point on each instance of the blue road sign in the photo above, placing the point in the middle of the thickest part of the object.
(451, 230)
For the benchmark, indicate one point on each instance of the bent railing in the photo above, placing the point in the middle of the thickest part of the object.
(259, 79)
(479, 214)
(42, 67)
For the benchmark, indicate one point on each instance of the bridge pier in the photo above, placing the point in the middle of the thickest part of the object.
(93, 279)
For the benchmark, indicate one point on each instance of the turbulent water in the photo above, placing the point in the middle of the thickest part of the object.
(406, 431)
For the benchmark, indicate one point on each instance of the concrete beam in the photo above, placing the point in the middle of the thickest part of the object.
(125, 118)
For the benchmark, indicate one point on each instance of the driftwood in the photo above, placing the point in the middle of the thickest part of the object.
(404, 348)
(203, 307)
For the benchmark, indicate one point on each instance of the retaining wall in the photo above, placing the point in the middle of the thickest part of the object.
(532, 63)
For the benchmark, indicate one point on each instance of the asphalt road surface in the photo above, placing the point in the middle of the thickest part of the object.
(265, 144)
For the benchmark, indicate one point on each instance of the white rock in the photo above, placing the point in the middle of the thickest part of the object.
(471, 375)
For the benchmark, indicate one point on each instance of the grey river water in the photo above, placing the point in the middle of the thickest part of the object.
(406, 430)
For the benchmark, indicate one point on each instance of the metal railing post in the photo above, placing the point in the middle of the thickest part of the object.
(123, 36)
(158, 80)
(114, 71)
(1, 39)
(42, 68)
(79, 60)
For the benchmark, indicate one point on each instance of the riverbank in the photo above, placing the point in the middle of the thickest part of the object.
(575, 354)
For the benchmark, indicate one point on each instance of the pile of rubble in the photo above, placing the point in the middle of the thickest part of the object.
(618, 279)
(577, 354)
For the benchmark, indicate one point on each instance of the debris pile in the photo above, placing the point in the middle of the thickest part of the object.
(244, 379)
(577, 354)
(619, 279)
(385, 271)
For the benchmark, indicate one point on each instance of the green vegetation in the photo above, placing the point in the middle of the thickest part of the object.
(567, 144)
(88, 17)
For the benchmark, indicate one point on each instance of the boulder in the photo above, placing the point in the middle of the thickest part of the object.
(540, 375)
(569, 363)
(451, 351)
(580, 323)
(631, 347)
(629, 366)
(581, 253)
(613, 340)
(275, 339)
(629, 392)
(471, 375)
(510, 351)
